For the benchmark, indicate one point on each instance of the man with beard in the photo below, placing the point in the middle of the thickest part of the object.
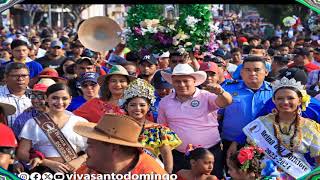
(148, 66)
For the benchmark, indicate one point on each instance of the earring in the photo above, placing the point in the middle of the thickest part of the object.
(299, 111)
(274, 111)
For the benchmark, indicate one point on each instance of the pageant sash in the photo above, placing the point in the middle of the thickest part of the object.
(55, 136)
(293, 164)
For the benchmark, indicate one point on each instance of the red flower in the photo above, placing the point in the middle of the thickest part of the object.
(244, 155)
(260, 150)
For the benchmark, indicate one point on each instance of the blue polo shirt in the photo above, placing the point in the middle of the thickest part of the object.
(34, 67)
(245, 106)
(76, 102)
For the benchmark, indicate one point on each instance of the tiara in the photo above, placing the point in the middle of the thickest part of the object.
(285, 82)
(139, 88)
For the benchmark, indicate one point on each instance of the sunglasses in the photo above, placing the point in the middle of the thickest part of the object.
(37, 96)
(88, 84)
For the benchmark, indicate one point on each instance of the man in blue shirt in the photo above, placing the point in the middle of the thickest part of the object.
(20, 53)
(88, 83)
(249, 95)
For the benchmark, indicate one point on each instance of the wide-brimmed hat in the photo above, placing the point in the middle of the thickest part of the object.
(115, 70)
(7, 109)
(112, 128)
(99, 33)
(185, 70)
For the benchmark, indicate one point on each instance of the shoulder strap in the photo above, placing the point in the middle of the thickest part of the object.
(55, 136)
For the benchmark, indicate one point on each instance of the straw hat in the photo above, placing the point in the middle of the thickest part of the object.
(99, 33)
(112, 128)
(185, 70)
(8, 109)
(116, 70)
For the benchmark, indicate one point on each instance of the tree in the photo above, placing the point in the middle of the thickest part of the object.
(32, 10)
(276, 13)
(76, 10)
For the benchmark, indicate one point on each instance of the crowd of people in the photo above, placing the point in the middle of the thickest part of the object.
(248, 110)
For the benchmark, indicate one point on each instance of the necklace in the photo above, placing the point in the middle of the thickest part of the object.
(284, 130)
(297, 132)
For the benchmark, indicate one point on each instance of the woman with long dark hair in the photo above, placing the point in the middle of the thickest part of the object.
(157, 139)
(33, 136)
(111, 91)
(285, 135)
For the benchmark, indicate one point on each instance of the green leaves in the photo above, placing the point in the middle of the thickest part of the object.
(197, 27)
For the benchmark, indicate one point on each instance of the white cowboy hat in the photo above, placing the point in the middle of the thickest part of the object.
(185, 70)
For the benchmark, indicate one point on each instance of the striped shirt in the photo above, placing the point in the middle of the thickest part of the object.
(21, 103)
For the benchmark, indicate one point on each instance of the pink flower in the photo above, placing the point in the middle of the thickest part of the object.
(138, 31)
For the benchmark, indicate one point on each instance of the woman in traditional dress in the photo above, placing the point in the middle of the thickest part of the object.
(112, 88)
(285, 135)
(157, 139)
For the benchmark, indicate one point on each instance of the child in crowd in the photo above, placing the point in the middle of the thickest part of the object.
(201, 162)
(245, 164)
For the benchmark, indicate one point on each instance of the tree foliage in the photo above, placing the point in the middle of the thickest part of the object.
(199, 11)
(76, 10)
(138, 13)
(275, 13)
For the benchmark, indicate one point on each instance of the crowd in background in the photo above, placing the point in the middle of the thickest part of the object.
(185, 100)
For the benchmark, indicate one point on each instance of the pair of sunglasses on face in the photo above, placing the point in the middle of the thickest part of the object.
(91, 84)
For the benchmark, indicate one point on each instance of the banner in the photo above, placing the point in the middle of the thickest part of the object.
(293, 164)
(6, 175)
(6, 4)
(312, 4)
(313, 175)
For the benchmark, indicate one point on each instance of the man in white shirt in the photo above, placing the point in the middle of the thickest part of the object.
(15, 90)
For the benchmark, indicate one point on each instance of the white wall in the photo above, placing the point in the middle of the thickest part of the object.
(93, 10)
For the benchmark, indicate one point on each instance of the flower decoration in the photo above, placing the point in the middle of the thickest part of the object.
(191, 21)
(247, 155)
(162, 35)
(289, 21)
(139, 88)
(190, 148)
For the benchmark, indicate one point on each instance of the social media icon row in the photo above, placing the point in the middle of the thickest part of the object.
(44, 176)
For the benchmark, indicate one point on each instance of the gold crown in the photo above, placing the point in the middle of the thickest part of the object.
(285, 82)
(139, 88)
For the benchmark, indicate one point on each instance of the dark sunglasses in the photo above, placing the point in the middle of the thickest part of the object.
(89, 84)
(37, 96)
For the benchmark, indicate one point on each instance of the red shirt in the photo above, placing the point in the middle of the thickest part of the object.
(309, 67)
(94, 109)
